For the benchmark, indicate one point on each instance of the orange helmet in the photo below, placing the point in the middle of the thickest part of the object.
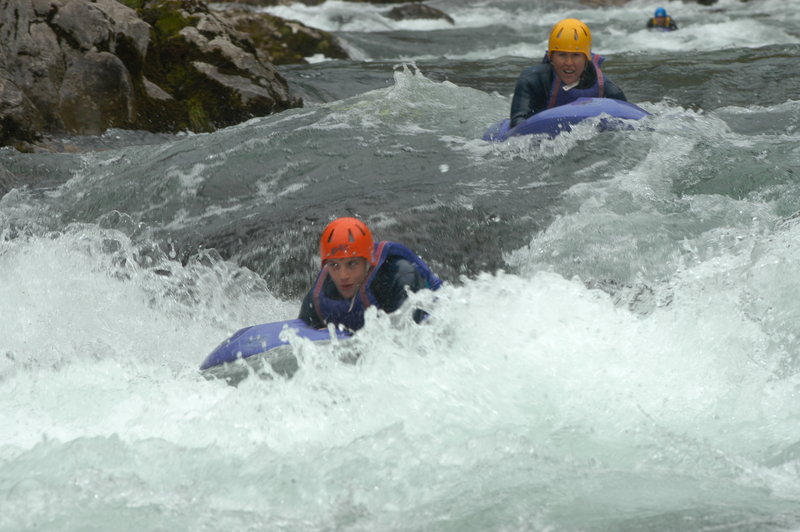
(571, 35)
(345, 237)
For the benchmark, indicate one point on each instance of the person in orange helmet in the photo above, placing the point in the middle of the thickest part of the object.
(568, 71)
(358, 273)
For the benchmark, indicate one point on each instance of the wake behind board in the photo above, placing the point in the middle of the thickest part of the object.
(553, 121)
(254, 348)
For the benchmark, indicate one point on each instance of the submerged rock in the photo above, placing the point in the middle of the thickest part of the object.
(418, 11)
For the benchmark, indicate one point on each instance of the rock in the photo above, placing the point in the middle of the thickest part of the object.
(19, 118)
(101, 25)
(280, 41)
(83, 66)
(96, 93)
(262, 3)
(155, 92)
(417, 11)
(7, 181)
(210, 69)
(46, 41)
(378, 1)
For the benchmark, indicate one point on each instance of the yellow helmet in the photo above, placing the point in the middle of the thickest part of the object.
(571, 35)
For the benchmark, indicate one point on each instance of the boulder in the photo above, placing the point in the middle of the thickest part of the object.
(53, 53)
(96, 93)
(281, 41)
(83, 66)
(8, 181)
(208, 74)
(263, 3)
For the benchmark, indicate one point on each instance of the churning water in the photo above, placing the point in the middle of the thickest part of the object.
(616, 347)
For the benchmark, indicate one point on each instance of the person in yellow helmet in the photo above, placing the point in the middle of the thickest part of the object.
(568, 71)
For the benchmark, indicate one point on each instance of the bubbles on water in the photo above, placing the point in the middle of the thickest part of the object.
(90, 293)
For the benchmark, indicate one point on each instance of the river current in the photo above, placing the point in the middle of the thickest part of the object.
(616, 346)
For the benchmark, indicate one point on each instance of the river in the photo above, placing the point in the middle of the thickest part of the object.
(616, 346)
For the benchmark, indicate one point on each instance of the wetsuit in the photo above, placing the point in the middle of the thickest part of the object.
(535, 85)
(669, 24)
(397, 269)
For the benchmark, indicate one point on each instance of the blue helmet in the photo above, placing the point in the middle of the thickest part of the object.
(660, 12)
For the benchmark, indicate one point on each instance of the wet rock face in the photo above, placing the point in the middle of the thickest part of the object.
(96, 93)
(210, 70)
(379, 1)
(265, 3)
(83, 66)
(59, 59)
(280, 41)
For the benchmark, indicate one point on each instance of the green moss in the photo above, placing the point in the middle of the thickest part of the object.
(198, 118)
(165, 17)
(198, 102)
(287, 42)
(133, 4)
(170, 23)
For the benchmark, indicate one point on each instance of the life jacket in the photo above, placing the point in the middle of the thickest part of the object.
(667, 22)
(350, 312)
(561, 97)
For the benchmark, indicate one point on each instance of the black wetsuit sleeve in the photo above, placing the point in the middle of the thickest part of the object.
(650, 23)
(392, 283)
(530, 93)
(308, 314)
(612, 91)
(672, 25)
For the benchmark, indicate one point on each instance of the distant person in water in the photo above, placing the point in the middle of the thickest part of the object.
(568, 71)
(661, 21)
(358, 272)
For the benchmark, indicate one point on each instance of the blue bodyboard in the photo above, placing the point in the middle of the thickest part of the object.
(252, 348)
(558, 119)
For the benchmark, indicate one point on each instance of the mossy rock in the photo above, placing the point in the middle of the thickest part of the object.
(193, 55)
(268, 3)
(281, 41)
(381, 1)
(133, 4)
